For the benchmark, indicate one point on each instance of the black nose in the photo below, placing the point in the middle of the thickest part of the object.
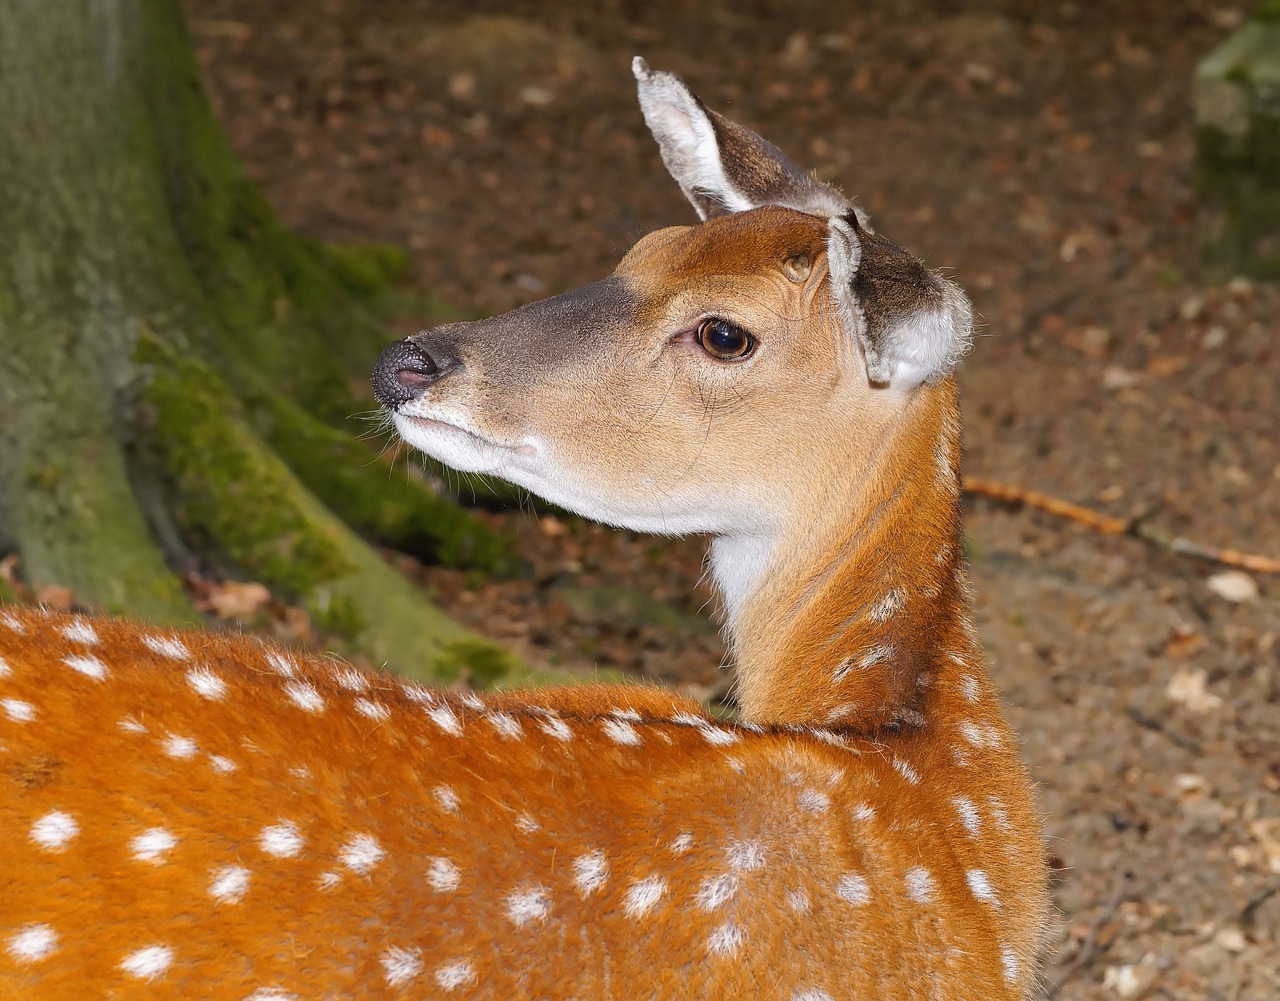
(403, 371)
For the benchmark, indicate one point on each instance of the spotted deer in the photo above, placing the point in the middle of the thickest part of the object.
(187, 815)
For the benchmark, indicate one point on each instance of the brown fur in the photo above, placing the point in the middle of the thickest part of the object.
(377, 776)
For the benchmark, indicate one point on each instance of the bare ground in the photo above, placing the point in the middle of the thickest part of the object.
(1043, 152)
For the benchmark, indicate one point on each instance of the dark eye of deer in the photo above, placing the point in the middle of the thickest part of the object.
(724, 340)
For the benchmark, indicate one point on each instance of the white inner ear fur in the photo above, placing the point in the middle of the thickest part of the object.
(921, 345)
(686, 139)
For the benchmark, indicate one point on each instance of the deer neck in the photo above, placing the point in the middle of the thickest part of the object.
(848, 619)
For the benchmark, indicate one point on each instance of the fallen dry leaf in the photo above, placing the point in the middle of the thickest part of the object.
(1233, 585)
(1189, 687)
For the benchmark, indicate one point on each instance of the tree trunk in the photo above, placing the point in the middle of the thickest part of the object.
(176, 363)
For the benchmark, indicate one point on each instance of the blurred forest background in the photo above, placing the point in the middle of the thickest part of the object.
(190, 302)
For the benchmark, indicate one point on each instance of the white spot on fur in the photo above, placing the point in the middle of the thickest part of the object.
(80, 632)
(148, 963)
(375, 711)
(225, 766)
(621, 732)
(420, 694)
(349, 678)
(998, 813)
(18, 711)
(682, 843)
(152, 845)
(303, 694)
(328, 880)
(443, 717)
(625, 712)
(888, 606)
(206, 684)
(32, 944)
(455, 975)
(400, 965)
(166, 647)
(980, 886)
(853, 888)
(878, 654)
(131, 725)
(507, 726)
(812, 801)
(827, 737)
(919, 884)
(863, 811)
(533, 904)
(811, 994)
(229, 884)
(281, 664)
(526, 823)
(643, 896)
(906, 771)
(90, 667)
(590, 872)
(52, 831)
(1010, 963)
(182, 748)
(942, 456)
(715, 891)
(725, 940)
(445, 798)
(968, 814)
(839, 713)
(271, 994)
(12, 622)
(443, 875)
(554, 727)
(798, 901)
(746, 856)
(361, 853)
(718, 736)
(283, 840)
(969, 688)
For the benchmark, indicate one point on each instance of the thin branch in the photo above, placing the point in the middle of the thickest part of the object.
(1007, 493)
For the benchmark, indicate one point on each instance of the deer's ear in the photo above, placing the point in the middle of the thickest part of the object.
(721, 166)
(913, 325)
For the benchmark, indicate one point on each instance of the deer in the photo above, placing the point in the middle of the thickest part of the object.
(195, 815)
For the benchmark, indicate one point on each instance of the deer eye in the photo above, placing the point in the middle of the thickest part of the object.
(724, 340)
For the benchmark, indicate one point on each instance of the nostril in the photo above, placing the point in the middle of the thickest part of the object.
(404, 370)
(412, 378)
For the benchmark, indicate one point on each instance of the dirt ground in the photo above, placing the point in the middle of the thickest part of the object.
(1043, 153)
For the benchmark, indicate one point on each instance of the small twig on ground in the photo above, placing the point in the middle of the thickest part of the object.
(1155, 726)
(1250, 911)
(1007, 493)
(1089, 950)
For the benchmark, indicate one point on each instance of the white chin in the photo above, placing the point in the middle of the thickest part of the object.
(451, 445)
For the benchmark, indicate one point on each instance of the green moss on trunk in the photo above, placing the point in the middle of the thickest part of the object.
(125, 210)
(382, 503)
(233, 495)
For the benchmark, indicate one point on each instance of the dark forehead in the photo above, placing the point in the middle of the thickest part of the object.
(741, 243)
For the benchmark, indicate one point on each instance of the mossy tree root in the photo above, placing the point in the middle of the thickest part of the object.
(169, 345)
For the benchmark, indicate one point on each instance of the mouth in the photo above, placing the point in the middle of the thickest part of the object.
(413, 427)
